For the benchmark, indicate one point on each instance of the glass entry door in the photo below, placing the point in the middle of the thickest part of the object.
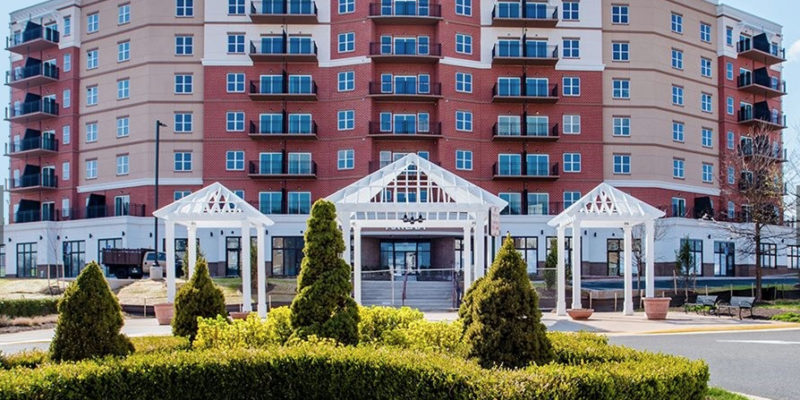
(233, 251)
(406, 256)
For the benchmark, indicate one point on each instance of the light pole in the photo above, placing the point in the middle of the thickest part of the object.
(159, 124)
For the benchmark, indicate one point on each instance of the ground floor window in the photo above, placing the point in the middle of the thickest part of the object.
(769, 255)
(552, 243)
(287, 253)
(2, 260)
(724, 258)
(113, 243)
(459, 256)
(26, 260)
(696, 251)
(529, 247)
(405, 255)
(233, 252)
(792, 254)
(74, 257)
(615, 254)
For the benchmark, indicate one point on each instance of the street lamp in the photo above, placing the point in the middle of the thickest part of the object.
(159, 124)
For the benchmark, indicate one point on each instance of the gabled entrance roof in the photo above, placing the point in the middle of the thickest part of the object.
(607, 206)
(213, 206)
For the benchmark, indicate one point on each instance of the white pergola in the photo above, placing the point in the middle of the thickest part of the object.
(215, 206)
(605, 207)
(413, 188)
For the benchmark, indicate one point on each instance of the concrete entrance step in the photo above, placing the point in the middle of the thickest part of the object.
(424, 295)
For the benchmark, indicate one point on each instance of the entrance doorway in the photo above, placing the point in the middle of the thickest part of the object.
(406, 256)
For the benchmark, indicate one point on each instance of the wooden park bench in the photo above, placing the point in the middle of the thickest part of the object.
(701, 302)
(737, 303)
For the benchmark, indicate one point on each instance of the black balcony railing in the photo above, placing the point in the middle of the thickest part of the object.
(46, 106)
(542, 90)
(406, 89)
(32, 34)
(282, 129)
(283, 7)
(49, 181)
(285, 88)
(284, 49)
(303, 169)
(47, 70)
(527, 10)
(406, 128)
(528, 170)
(746, 45)
(529, 129)
(774, 118)
(434, 50)
(745, 80)
(525, 51)
(48, 143)
(405, 9)
(535, 208)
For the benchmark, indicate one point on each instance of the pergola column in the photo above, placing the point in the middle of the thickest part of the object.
(650, 258)
(480, 238)
(192, 239)
(169, 248)
(576, 265)
(345, 226)
(261, 279)
(627, 307)
(357, 263)
(247, 297)
(466, 262)
(561, 286)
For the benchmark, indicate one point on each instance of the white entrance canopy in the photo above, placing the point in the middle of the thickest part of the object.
(215, 206)
(605, 207)
(413, 190)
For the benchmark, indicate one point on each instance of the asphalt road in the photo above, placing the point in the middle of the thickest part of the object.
(758, 363)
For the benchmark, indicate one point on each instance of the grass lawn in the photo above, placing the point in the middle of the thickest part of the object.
(788, 305)
(720, 394)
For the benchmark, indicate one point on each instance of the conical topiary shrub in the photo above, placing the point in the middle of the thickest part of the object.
(323, 306)
(89, 320)
(197, 298)
(502, 321)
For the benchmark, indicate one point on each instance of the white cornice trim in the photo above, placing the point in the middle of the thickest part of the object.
(343, 62)
(460, 62)
(139, 182)
(664, 185)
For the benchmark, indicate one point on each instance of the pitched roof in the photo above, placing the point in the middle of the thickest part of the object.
(605, 203)
(212, 206)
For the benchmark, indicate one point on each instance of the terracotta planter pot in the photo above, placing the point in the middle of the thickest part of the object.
(580, 313)
(238, 314)
(656, 307)
(164, 313)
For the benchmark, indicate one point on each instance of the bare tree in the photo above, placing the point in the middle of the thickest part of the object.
(638, 250)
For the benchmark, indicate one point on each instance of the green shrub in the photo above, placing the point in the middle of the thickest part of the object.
(442, 337)
(160, 344)
(550, 265)
(14, 308)
(24, 359)
(89, 320)
(502, 321)
(375, 321)
(787, 317)
(323, 306)
(249, 333)
(197, 298)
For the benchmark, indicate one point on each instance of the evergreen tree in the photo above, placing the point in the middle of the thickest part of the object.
(323, 306)
(89, 320)
(197, 298)
(502, 321)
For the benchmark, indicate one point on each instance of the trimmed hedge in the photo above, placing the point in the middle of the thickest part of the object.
(787, 317)
(29, 307)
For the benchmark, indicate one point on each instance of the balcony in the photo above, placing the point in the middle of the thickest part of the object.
(403, 92)
(761, 84)
(530, 93)
(758, 48)
(301, 92)
(539, 171)
(265, 131)
(33, 110)
(764, 119)
(36, 181)
(407, 131)
(34, 38)
(35, 74)
(262, 53)
(525, 55)
(306, 170)
(396, 55)
(32, 146)
(526, 208)
(531, 15)
(405, 13)
(283, 12)
(532, 131)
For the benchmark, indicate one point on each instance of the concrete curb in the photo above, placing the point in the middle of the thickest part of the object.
(724, 328)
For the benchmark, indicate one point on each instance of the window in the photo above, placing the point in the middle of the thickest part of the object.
(67, 26)
(65, 171)
(705, 67)
(514, 201)
(183, 122)
(622, 164)
(677, 23)
(92, 22)
(570, 198)
(184, 8)
(572, 162)
(572, 124)
(696, 251)
(66, 134)
(538, 204)
(678, 207)
(123, 51)
(236, 7)
(235, 43)
(463, 43)
(183, 83)
(571, 10)
(730, 140)
(571, 48)
(622, 126)
(67, 62)
(179, 194)
(678, 130)
(183, 161)
(91, 169)
(184, 45)
(91, 59)
(91, 95)
(122, 164)
(235, 83)
(708, 173)
(793, 256)
(728, 36)
(677, 95)
(301, 124)
(677, 59)
(347, 81)
(299, 202)
(464, 160)
(572, 86)
(731, 210)
(678, 168)
(729, 71)
(300, 163)
(347, 6)
(234, 160)
(287, 253)
(347, 42)
(463, 82)
(464, 121)
(619, 14)
(731, 175)
(706, 137)
(705, 32)
(66, 98)
(345, 159)
(123, 128)
(705, 102)
(769, 255)
(270, 202)
(346, 120)
(621, 88)
(729, 105)
(620, 51)
(123, 89)
(124, 14)
(26, 260)
(464, 7)
(234, 121)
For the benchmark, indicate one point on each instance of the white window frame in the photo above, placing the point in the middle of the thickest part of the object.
(572, 124)
(345, 159)
(569, 159)
(123, 164)
(91, 169)
(464, 160)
